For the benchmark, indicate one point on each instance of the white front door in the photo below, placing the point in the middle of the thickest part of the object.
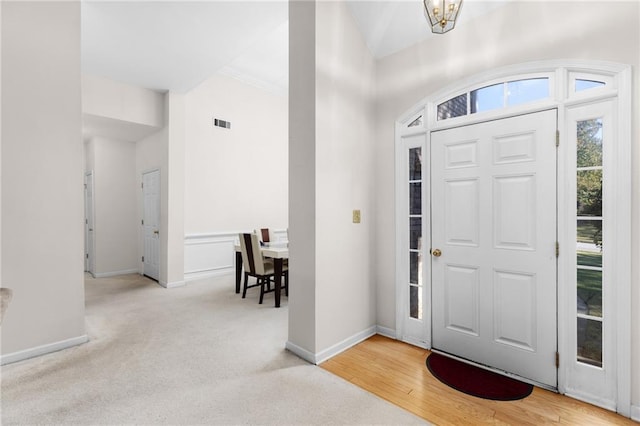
(89, 260)
(151, 223)
(493, 259)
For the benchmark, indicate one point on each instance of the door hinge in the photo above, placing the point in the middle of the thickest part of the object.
(86, 221)
(557, 360)
(87, 255)
(142, 221)
(557, 138)
(142, 185)
(557, 249)
(143, 258)
(85, 186)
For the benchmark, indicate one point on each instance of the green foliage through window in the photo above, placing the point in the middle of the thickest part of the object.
(589, 156)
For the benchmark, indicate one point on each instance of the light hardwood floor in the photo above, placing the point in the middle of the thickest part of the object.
(396, 371)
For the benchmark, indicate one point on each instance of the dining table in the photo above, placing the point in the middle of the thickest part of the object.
(276, 251)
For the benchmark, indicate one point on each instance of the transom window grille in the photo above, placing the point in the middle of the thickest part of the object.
(495, 96)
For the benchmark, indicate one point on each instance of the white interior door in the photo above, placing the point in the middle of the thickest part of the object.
(89, 260)
(151, 223)
(494, 239)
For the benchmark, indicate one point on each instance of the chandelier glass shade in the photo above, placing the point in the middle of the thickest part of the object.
(442, 14)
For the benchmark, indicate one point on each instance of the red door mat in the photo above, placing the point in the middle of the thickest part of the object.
(476, 381)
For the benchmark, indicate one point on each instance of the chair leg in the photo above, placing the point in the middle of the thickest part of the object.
(246, 281)
(268, 283)
(286, 283)
(262, 290)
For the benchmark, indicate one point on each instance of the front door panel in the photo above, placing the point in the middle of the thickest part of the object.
(494, 221)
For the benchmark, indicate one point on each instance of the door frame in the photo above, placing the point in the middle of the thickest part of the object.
(142, 211)
(562, 75)
(89, 213)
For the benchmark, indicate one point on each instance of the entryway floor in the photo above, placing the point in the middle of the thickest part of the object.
(396, 371)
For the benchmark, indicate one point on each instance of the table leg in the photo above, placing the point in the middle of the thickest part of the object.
(277, 269)
(238, 270)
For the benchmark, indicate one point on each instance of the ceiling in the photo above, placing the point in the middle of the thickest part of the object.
(176, 45)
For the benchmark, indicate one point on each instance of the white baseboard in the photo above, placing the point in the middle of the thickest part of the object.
(192, 276)
(635, 413)
(590, 399)
(172, 284)
(42, 350)
(301, 352)
(415, 342)
(345, 344)
(386, 332)
(333, 350)
(115, 273)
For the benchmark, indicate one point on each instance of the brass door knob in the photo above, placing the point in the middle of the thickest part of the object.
(436, 253)
(156, 232)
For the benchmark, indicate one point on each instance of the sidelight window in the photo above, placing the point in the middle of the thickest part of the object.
(415, 233)
(589, 242)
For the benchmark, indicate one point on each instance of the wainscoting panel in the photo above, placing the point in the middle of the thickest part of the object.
(212, 254)
(207, 255)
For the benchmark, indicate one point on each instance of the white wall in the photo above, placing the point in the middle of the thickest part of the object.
(42, 197)
(108, 98)
(345, 70)
(302, 178)
(0, 149)
(115, 212)
(235, 179)
(119, 111)
(174, 217)
(339, 155)
(513, 36)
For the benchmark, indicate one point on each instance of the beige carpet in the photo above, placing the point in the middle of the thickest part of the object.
(198, 354)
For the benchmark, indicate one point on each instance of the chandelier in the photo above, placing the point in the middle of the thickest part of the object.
(442, 14)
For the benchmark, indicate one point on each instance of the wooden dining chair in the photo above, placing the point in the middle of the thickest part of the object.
(255, 265)
(264, 235)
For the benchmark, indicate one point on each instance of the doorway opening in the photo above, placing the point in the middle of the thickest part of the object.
(494, 261)
(151, 224)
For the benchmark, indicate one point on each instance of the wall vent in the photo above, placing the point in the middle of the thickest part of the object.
(221, 123)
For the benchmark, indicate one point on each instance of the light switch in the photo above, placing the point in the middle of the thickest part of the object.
(356, 216)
